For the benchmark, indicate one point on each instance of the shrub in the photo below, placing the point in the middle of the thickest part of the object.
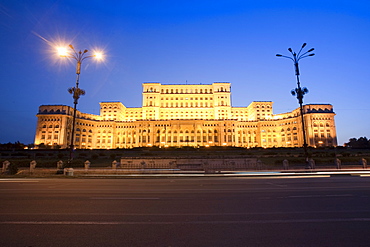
(13, 169)
(345, 154)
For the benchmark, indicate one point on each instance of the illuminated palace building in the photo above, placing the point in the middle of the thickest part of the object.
(186, 115)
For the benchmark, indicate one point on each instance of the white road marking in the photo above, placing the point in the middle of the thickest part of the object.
(124, 198)
(320, 196)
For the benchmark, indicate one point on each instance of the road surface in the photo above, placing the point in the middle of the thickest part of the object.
(331, 211)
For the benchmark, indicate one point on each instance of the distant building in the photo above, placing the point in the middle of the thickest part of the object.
(186, 115)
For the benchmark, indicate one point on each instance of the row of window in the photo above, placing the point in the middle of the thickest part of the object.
(191, 98)
(184, 104)
(151, 90)
(321, 125)
(50, 126)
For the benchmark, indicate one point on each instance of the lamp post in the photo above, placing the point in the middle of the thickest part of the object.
(75, 91)
(299, 92)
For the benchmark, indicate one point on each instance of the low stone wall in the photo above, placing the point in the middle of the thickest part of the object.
(191, 163)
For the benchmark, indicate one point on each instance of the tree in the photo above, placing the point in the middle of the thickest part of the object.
(12, 146)
(361, 142)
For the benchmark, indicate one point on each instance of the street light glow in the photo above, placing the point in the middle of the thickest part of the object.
(62, 51)
(98, 55)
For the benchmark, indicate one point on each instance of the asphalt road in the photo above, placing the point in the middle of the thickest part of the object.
(185, 212)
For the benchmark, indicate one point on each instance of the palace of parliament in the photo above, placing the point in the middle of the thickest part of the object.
(198, 115)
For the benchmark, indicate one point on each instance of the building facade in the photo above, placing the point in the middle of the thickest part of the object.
(185, 115)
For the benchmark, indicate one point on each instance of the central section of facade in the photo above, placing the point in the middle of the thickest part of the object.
(165, 102)
(186, 115)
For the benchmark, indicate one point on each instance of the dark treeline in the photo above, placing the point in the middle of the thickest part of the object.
(361, 142)
(14, 146)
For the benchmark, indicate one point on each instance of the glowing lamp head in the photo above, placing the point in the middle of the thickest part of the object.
(62, 51)
(98, 55)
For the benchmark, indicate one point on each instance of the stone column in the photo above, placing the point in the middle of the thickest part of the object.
(32, 166)
(60, 167)
(87, 165)
(6, 164)
(114, 165)
(286, 164)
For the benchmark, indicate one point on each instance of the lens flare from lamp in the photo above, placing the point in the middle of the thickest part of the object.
(98, 55)
(62, 51)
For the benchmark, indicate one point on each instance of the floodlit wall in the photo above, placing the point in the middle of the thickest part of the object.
(186, 115)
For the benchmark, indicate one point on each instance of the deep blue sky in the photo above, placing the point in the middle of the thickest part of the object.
(177, 41)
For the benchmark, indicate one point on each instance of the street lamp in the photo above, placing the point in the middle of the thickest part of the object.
(75, 91)
(300, 92)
